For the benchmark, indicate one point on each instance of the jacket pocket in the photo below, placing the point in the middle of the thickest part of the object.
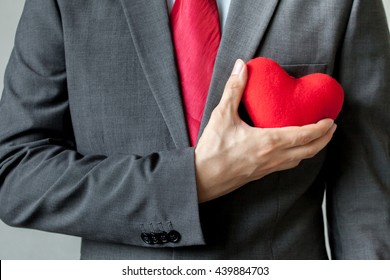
(300, 70)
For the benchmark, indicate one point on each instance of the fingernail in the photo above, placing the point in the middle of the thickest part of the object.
(331, 124)
(238, 67)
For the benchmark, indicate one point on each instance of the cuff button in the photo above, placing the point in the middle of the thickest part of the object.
(174, 236)
(154, 238)
(163, 236)
(146, 238)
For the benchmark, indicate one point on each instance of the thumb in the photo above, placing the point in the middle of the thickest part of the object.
(235, 86)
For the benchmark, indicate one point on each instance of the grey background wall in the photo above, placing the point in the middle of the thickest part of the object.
(23, 243)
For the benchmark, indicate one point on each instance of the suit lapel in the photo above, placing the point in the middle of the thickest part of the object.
(149, 26)
(245, 27)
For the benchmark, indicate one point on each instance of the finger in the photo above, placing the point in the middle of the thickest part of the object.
(311, 149)
(235, 86)
(294, 136)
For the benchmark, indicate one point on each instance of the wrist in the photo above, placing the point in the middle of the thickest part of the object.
(213, 177)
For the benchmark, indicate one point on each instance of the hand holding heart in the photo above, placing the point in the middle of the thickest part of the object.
(230, 153)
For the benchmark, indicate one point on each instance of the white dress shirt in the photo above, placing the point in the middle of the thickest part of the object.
(223, 9)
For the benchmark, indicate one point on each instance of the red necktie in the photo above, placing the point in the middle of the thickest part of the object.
(196, 36)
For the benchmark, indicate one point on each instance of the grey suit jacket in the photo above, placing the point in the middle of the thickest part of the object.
(93, 141)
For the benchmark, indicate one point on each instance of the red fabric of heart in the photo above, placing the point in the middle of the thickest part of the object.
(273, 98)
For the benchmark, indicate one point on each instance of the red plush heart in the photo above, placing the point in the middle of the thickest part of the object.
(275, 99)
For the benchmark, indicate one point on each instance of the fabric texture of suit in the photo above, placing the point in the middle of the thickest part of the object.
(93, 141)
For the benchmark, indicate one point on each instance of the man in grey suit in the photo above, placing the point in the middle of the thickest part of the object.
(93, 139)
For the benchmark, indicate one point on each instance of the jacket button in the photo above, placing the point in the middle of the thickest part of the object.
(174, 236)
(154, 238)
(146, 238)
(163, 237)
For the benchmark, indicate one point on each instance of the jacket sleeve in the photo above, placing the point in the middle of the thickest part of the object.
(46, 184)
(358, 192)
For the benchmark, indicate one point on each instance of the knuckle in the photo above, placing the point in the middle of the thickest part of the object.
(274, 165)
(272, 141)
(292, 158)
(295, 163)
(310, 152)
(234, 83)
(292, 164)
(219, 113)
(302, 138)
(257, 157)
